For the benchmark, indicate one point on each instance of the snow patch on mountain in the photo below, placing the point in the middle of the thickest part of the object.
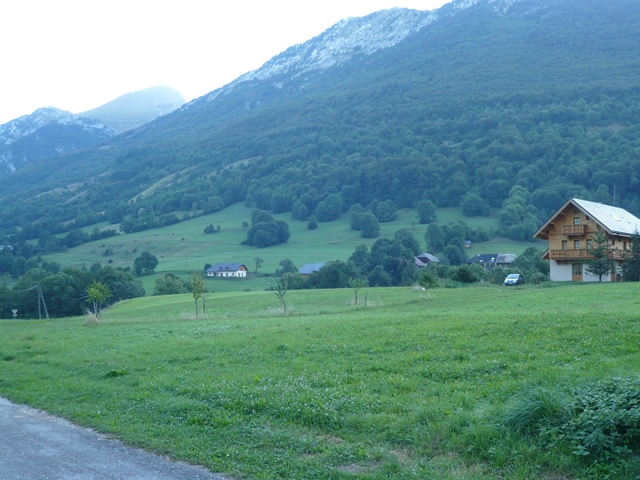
(30, 124)
(500, 6)
(338, 44)
(348, 38)
(31, 136)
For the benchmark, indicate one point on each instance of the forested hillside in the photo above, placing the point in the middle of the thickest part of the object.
(515, 107)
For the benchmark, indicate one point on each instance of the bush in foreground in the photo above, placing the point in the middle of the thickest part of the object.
(598, 423)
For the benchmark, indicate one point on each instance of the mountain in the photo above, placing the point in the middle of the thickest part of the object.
(513, 105)
(49, 132)
(336, 46)
(137, 108)
(45, 133)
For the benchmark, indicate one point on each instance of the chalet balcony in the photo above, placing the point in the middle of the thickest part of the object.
(581, 254)
(574, 230)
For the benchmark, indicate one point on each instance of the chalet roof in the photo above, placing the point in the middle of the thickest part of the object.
(424, 259)
(504, 258)
(310, 268)
(429, 257)
(614, 220)
(483, 258)
(225, 267)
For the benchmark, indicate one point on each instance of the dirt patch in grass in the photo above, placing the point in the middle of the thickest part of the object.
(352, 468)
(333, 440)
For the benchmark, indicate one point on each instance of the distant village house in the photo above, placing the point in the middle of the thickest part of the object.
(490, 260)
(310, 268)
(225, 270)
(486, 260)
(505, 259)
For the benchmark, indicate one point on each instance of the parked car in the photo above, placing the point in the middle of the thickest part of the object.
(514, 279)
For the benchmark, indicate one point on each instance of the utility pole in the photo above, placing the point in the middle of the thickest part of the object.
(41, 298)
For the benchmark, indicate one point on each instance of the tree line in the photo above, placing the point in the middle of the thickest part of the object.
(65, 292)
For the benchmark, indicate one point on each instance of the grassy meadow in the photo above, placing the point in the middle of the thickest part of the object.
(417, 384)
(183, 248)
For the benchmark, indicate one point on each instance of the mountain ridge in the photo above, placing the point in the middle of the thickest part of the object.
(134, 109)
(352, 36)
(50, 131)
(338, 44)
(46, 132)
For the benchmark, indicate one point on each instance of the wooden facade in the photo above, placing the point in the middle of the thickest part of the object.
(571, 233)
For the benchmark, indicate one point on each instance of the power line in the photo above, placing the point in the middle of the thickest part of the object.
(41, 302)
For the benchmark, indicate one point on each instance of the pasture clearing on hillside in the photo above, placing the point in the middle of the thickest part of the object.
(184, 248)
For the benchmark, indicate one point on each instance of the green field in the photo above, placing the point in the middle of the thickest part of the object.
(183, 248)
(419, 384)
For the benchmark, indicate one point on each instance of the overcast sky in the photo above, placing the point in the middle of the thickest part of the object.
(79, 54)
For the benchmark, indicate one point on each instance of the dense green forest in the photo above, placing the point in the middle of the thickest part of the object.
(507, 111)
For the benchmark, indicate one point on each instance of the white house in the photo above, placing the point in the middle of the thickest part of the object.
(227, 270)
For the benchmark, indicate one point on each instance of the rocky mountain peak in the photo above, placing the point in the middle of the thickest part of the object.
(337, 45)
(29, 124)
(351, 37)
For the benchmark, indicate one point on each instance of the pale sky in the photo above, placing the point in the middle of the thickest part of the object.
(79, 54)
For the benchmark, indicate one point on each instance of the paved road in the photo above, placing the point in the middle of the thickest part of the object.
(38, 446)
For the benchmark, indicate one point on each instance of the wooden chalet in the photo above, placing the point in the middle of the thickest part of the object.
(571, 232)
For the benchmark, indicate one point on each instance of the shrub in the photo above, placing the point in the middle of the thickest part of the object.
(607, 419)
(497, 275)
(313, 224)
(537, 278)
(428, 278)
(464, 274)
(600, 422)
(170, 285)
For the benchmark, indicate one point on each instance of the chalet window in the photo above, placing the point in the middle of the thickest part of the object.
(576, 220)
(589, 244)
(576, 244)
(565, 245)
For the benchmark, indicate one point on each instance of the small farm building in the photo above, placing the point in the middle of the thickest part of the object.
(425, 259)
(310, 268)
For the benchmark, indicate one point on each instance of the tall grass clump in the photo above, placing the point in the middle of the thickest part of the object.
(91, 318)
(539, 409)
